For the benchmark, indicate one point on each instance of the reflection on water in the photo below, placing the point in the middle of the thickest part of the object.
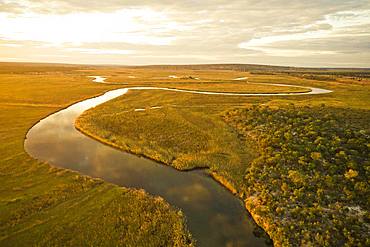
(214, 216)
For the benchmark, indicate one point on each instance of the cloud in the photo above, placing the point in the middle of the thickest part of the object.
(100, 51)
(339, 25)
(143, 31)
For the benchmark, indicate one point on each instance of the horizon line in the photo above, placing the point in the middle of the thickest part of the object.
(195, 64)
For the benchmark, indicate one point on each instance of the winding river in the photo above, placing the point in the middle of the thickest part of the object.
(214, 216)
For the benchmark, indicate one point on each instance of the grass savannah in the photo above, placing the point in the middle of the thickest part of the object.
(169, 131)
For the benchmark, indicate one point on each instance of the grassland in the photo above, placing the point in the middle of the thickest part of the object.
(209, 80)
(246, 87)
(189, 131)
(41, 205)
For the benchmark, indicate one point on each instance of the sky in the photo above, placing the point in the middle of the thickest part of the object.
(310, 33)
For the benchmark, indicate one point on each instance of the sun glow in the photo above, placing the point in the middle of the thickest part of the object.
(133, 26)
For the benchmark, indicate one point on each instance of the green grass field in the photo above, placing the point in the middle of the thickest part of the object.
(41, 205)
(190, 131)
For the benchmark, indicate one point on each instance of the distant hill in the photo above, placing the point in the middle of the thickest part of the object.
(247, 67)
(254, 68)
(267, 69)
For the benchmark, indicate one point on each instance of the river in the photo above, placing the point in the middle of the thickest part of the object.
(214, 216)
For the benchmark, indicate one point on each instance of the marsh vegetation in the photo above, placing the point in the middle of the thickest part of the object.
(311, 173)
